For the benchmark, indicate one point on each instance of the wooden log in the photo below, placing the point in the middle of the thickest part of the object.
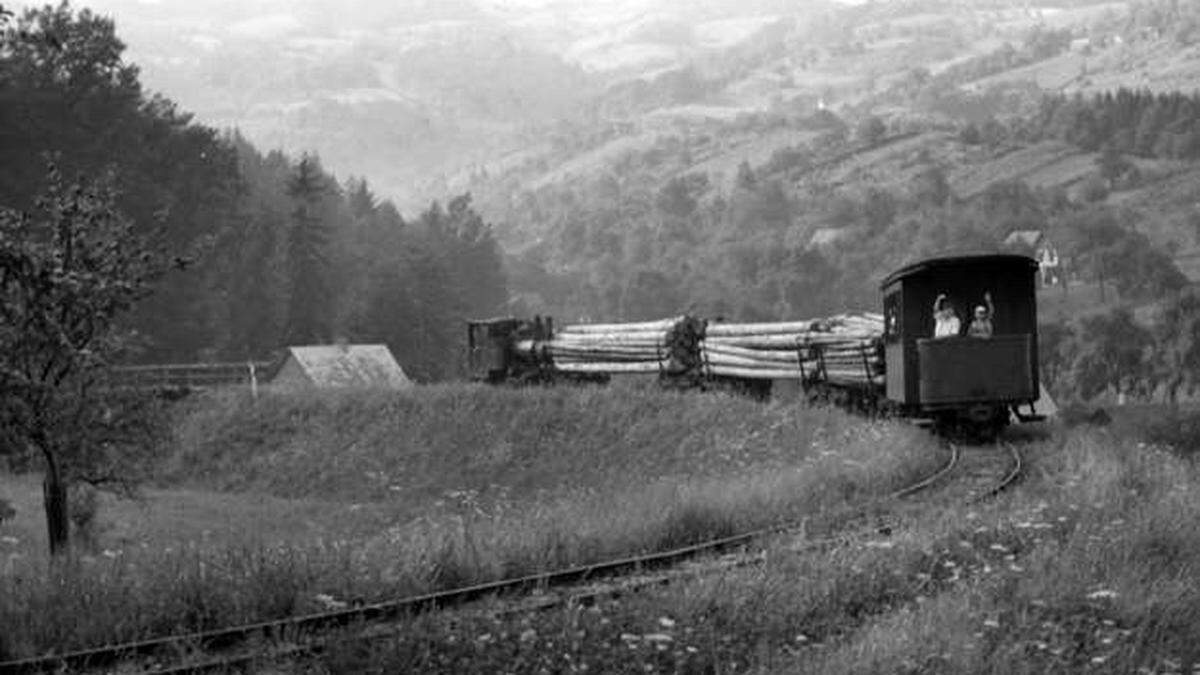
(776, 356)
(732, 360)
(792, 341)
(827, 326)
(743, 329)
(755, 373)
(834, 376)
(661, 325)
(600, 358)
(609, 367)
(604, 356)
(610, 349)
(610, 338)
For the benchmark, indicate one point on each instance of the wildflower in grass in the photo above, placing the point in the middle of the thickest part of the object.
(657, 637)
(529, 635)
(992, 623)
(1102, 594)
(666, 622)
(12, 541)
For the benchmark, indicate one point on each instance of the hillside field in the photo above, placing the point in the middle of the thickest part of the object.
(294, 504)
(298, 503)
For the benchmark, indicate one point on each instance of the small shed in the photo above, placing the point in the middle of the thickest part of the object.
(340, 366)
(1037, 245)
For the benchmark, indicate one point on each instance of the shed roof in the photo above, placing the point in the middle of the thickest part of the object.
(349, 366)
(1026, 237)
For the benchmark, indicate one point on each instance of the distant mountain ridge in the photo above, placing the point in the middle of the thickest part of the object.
(404, 92)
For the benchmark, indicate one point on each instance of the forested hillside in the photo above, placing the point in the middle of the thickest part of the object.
(273, 250)
(757, 165)
(891, 131)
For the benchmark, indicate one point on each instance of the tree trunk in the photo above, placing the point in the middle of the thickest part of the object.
(54, 496)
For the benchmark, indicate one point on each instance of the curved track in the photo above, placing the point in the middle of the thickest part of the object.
(287, 635)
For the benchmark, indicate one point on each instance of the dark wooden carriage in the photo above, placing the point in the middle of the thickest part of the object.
(968, 379)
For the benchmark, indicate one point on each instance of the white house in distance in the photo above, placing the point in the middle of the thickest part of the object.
(1036, 243)
(827, 237)
(340, 366)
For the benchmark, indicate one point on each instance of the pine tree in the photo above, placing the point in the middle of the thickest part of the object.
(308, 256)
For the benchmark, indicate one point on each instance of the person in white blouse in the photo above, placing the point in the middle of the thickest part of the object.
(946, 323)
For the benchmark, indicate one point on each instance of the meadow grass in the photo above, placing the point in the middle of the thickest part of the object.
(397, 494)
(1087, 566)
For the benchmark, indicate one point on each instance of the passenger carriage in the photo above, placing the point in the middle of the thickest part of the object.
(963, 380)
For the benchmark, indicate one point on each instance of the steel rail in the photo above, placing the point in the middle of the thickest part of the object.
(245, 661)
(229, 637)
(1011, 477)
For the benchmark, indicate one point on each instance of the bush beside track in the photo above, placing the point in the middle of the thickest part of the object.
(481, 484)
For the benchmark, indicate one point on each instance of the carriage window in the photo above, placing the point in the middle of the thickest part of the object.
(891, 316)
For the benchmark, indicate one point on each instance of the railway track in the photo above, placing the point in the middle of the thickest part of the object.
(240, 647)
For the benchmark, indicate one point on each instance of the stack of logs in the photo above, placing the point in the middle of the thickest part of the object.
(843, 349)
(612, 347)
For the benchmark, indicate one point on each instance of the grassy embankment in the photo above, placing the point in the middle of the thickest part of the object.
(1089, 565)
(298, 503)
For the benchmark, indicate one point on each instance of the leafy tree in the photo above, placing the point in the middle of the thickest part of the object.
(68, 271)
(930, 187)
(65, 89)
(1112, 165)
(1178, 340)
(1055, 345)
(1109, 352)
(871, 130)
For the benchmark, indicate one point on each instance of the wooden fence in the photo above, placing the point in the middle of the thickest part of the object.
(186, 376)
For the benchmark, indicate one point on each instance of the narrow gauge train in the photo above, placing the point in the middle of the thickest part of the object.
(953, 381)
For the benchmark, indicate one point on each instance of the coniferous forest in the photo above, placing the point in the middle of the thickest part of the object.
(272, 250)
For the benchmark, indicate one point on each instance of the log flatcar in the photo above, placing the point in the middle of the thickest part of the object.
(895, 362)
(959, 380)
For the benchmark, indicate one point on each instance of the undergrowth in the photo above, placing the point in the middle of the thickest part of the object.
(580, 475)
(1087, 566)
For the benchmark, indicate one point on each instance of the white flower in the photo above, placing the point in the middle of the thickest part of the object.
(1101, 594)
(329, 601)
(666, 622)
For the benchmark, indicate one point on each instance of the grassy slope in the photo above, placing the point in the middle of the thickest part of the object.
(309, 500)
(362, 447)
(1087, 566)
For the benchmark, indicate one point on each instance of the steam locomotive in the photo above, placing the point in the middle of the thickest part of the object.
(955, 382)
